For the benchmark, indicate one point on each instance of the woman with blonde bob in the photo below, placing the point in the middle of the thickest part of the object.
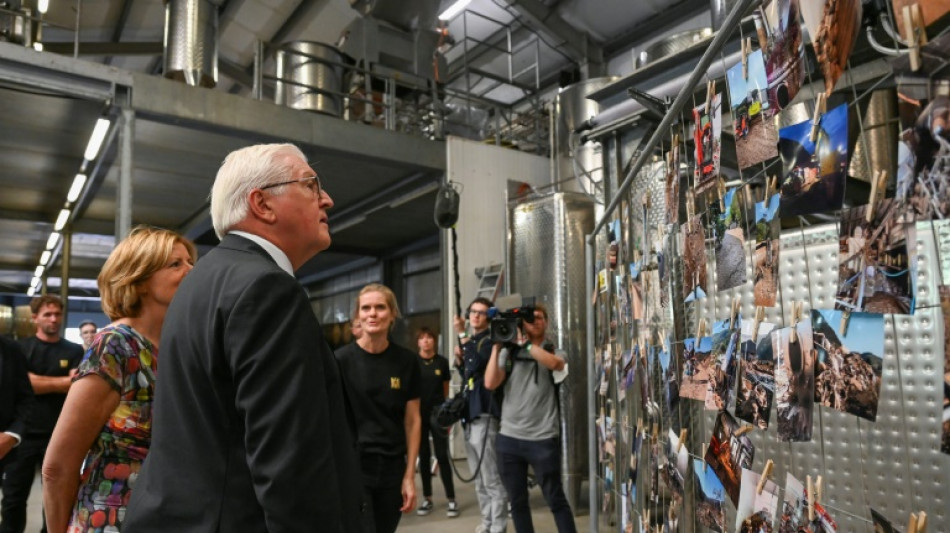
(382, 383)
(105, 425)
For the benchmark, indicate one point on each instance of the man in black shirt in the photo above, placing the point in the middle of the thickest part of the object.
(16, 399)
(51, 362)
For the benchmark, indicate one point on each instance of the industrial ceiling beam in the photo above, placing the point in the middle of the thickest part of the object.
(120, 25)
(659, 23)
(107, 48)
(579, 45)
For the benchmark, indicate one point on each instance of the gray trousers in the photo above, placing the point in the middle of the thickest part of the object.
(492, 498)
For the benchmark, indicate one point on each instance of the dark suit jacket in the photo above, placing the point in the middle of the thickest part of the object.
(250, 431)
(16, 393)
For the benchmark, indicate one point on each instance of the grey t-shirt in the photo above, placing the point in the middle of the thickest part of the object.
(529, 411)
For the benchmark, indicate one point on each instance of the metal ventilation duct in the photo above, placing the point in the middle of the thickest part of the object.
(875, 145)
(191, 42)
(573, 108)
(671, 45)
(310, 77)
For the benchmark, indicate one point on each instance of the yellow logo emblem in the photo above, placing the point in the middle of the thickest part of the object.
(394, 383)
(64, 363)
(438, 371)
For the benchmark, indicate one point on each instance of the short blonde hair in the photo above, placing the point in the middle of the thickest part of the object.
(144, 252)
(388, 295)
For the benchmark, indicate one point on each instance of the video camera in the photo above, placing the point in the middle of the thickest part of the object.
(504, 325)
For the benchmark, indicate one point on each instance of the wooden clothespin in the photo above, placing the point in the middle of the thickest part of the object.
(816, 119)
(912, 524)
(656, 432)
(721, 192)
(796, 316)
(818, 489)
(878, 183)
(921, 522)
(768, 188)
(646, 520)
(700, 328)
(845, 319)
(736, 304)
(759, 315)
(766, 473)
(811, 498)
(746, 51)
(679, 445)
(710, 94)
(914, 34)
(743, 430)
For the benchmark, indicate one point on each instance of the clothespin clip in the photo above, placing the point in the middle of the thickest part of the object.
(921, 522)
(811, 499)
(710, 93)
(646, 520)
(766, 473)
(877, 185)
(735, 311)
(912, 524)
(656, 432)
(796, 316)
(640, 424)
(768, 187)
(746, 50)
(816, 119)
(845, 318)
(700, 328)
(682, 438)
(914, 34)
(818, 489)
(759, 315)
(743, 430)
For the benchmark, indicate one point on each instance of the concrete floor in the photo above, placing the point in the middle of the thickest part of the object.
(436, 521)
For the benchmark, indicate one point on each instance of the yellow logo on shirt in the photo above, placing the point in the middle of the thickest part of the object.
(394, 383)
(64, 363)
(438, 371)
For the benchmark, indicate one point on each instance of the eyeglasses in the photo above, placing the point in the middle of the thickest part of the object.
(311, 182)
(478, 313)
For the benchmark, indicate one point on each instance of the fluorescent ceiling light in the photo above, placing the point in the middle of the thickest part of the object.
(45, 257)
(39, 271)
(38, 46)
(78, 183)
(414, 194)
(61, 219)
(31, 291)
(349, 223)
(53, 239)
(95, 141)
(454, 9)
(35, 282)
(42, 6)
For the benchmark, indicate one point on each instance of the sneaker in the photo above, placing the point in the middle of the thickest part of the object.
(425, 508)
(453, 510)
(481, 529)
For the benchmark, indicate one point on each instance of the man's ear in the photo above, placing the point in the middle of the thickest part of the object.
(259, 206)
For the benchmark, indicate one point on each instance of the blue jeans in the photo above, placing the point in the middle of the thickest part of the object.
(514, 456)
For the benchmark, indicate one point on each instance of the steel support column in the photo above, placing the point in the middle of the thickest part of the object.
(123, 219)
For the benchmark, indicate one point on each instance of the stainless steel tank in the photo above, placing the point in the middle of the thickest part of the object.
(310, 77)
(545, 235)
(876, 142)
(191, 42)
(573, 108)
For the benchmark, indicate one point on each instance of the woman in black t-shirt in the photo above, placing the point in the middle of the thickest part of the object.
(382, 382)
(435, 388)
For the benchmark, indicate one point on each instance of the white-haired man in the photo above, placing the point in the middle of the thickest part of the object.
(250, 430)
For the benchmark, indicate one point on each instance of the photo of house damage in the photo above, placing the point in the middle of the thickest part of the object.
(794, 381)
(755, 512)
(709, 496)
(697, 368)
(766, 255)
(756, 376)
(724, 362)
(780, 36)
(694, 260)
(848, 366)
(729, 453)
(923, 173)
(752, 112)
(729, 242)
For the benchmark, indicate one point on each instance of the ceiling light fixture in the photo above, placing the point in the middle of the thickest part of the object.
(35, 282)
(78, 183)
(95, 140)
(53, 239)
(454, 9)
(61, 220)
(38, 46)
(39, 271)
(349, 223)
(45, 257)
(31, 291)
(42, 6)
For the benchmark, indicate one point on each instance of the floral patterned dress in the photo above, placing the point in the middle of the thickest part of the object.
(127, 361)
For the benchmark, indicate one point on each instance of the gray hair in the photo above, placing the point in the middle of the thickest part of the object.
(244, 170)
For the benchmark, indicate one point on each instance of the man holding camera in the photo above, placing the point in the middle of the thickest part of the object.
(530, 421)
(481, 417)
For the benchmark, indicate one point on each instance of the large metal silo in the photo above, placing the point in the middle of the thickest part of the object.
(546, 261)
(310, 77)
(191, 42)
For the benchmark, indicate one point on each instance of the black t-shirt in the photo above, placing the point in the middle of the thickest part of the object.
(54, 359)
(378, 386)
(434, 373)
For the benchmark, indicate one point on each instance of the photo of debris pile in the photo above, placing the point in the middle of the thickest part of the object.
(729, 241)
(833, 26)
(697, 367)
(755, 133)
(814, 171)
(780, 36)
(794, 382)
(873, 265)
(675, 470)
(767, 247)
(709, 497)
(708, 140)
(923, 155)
(694, 260)
(848, 367)
(756, 376)
(728, 454)
(755, 512)
(723, 365)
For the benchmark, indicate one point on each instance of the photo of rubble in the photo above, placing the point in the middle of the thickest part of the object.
(756, 376)
(794, 382)
(833, 27)
(673, 185)
(675, 470)
(723, 365)
(728, 454)
(873, 265)
(814, 171)
(848, 366)
(755, 512)
(709, 497)
(923, 155)
(944, 291)
(767, 246)
(794, 517)
(694, 260)
(708, 140)
(729, 240)
(780, 36)
(697, 367)
(755, 133)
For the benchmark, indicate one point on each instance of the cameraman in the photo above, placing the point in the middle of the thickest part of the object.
(530, 422)
(481, 417)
